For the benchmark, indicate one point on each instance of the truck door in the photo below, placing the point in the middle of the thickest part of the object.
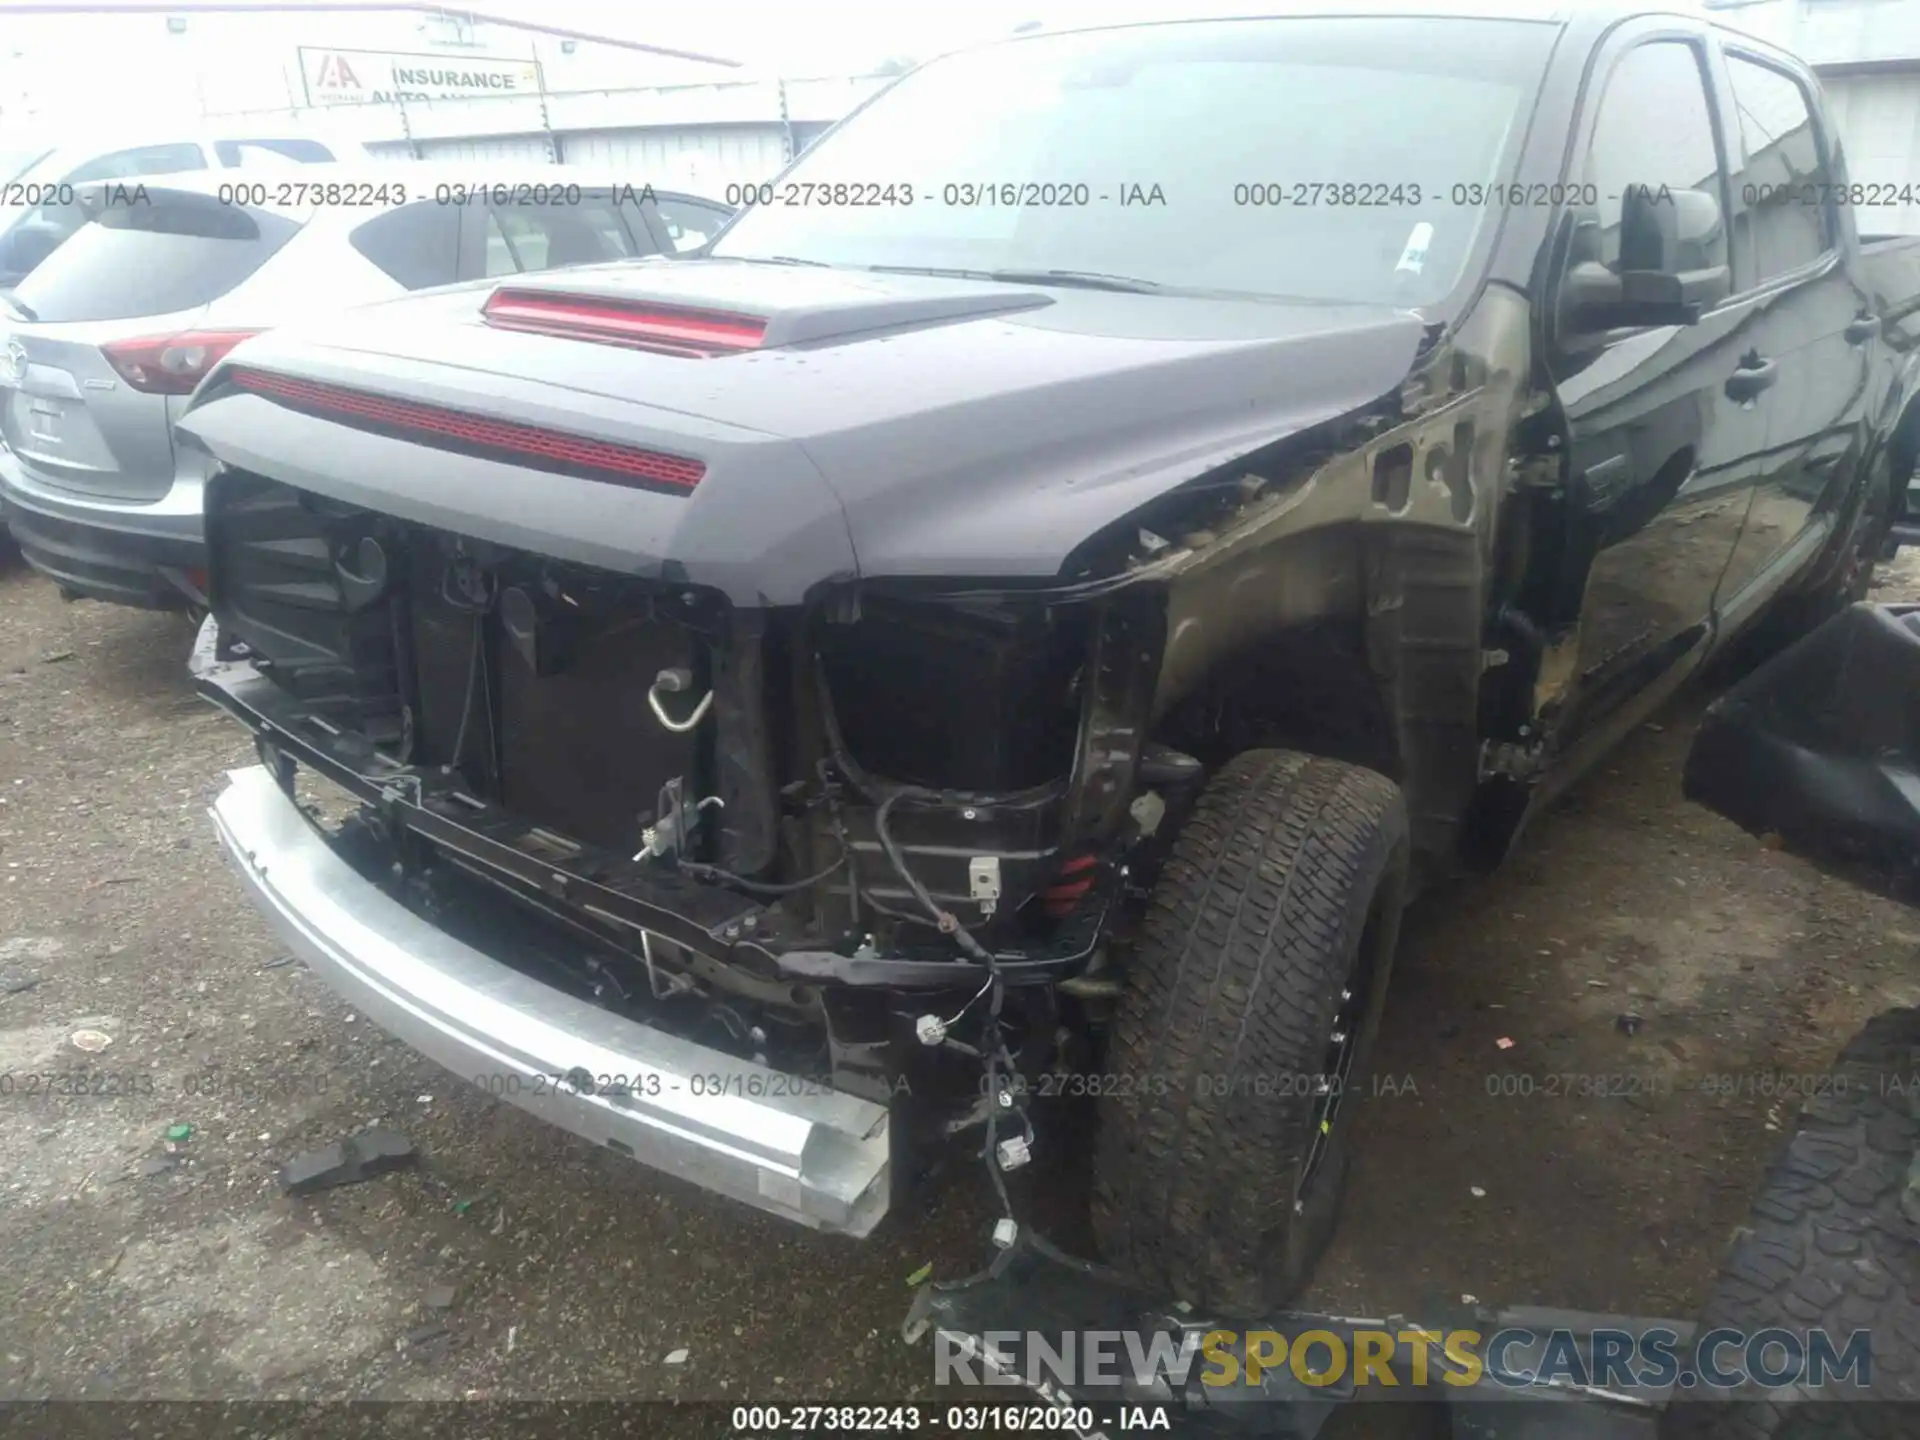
(1811, 322)
(1667, 422)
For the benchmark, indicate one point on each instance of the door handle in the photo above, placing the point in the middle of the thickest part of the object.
(1863, 329)
(1749, 380)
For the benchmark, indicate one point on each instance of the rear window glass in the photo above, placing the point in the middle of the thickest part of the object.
(153, 257)
(546, 237)
(688, 223)
(142, 160)
(417, 245)
(243, 152)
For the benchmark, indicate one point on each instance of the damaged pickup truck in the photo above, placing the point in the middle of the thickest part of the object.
(1014, 618)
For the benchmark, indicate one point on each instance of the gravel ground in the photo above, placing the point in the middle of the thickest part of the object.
(133, 1273)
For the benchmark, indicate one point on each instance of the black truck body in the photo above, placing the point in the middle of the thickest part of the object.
(833, 692)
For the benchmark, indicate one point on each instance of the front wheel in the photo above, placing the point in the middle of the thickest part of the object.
(1241, 1041)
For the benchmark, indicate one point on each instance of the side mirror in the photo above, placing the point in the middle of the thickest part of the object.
(1672, 232)
(1666, 274)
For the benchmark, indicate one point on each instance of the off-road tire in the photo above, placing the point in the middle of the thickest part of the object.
(1256, 924)
(1827, 1245)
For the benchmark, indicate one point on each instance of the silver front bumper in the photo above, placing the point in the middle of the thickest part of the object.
(812, 1155)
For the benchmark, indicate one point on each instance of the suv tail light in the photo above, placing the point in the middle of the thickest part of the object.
(171, 364)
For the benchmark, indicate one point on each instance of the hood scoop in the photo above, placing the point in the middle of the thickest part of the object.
(672, 330)
(706, 309)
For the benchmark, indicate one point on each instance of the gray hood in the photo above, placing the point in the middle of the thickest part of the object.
(884, 425)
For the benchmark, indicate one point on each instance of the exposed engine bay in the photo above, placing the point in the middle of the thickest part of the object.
(828, 841)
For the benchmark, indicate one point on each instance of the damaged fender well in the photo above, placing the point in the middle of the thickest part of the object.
(1362, 582)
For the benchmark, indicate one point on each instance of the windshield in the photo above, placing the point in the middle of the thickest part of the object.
(1327, 158)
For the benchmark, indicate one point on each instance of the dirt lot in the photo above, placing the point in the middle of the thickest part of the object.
(1583, 1165)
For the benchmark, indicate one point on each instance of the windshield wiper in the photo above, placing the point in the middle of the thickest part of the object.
(771, 259)
(1081, 279)
(944, 272)
(19, 307)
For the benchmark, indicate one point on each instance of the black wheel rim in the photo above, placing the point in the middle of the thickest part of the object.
(1331, 1084)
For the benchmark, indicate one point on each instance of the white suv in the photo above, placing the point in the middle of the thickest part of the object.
(101, 346)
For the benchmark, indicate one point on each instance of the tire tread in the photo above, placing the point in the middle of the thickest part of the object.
(1247, 936)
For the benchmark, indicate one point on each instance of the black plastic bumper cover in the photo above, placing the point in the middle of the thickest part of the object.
(117, 566)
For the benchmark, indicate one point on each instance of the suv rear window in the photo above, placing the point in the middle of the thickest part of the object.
(588, 231)
(236, 153)
(417, 245)
(171, 252)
